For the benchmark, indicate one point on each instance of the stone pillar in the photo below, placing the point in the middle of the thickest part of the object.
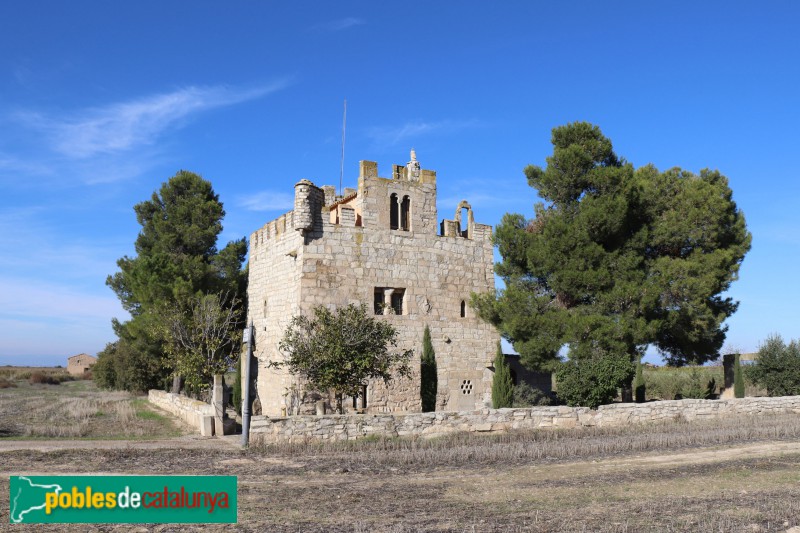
(218, 402)
(728, 361)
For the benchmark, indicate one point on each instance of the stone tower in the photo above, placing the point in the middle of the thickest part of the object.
(380, 245)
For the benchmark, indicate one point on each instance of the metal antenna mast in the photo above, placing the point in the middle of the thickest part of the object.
(344, 125)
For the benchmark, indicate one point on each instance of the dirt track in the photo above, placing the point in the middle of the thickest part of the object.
(746, 487)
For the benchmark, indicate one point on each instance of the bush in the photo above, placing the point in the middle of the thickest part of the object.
(6, 384)
(527, 396)
(777, 368)
(670, 383)
(42, 378)
(236, 392)
(591, 381)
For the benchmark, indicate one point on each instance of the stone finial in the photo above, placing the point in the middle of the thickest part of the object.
(413, 167)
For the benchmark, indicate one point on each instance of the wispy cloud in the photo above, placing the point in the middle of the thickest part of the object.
(122, 126)
(393, 135)
(340, 24)
(266, 201)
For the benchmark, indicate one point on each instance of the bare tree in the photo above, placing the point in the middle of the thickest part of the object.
(204, 337)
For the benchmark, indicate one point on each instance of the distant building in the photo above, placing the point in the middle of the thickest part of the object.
(77, 365)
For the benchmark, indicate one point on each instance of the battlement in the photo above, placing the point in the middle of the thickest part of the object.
(405, 203)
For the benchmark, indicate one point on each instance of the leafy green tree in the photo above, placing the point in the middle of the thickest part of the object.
(176, 260)
(616, 259)
(738, 377)
(340, 350)
(639, 387)
(777, 368)
(429, 380)
(502, 384)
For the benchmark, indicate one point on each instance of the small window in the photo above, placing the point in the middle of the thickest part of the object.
(388, 300)
(380, 300)
(405, 214)
(466, 387)
(463, 308)
(397, 301)
(394, 212)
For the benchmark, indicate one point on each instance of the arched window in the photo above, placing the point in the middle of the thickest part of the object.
(394, 215)
(463, 308)
(405, 214)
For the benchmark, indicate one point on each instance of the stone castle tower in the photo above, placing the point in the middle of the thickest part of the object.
(379, 245)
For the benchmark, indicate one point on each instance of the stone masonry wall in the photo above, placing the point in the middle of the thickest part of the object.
(304, 259)
(197, 414)
(348, 427)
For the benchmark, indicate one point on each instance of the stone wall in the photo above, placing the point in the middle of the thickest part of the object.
(347, 427)
(197, 414)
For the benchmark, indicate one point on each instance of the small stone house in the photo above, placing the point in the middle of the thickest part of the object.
(77, 365)
(382, 245)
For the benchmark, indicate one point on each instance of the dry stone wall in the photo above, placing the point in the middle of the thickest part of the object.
(197, 414)
(348, 427)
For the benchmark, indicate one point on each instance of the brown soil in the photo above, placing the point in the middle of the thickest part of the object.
(747, 487)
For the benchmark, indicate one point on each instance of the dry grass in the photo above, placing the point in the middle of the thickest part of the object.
(77, 409)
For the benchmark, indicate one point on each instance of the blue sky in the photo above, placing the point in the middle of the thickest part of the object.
(101, 102)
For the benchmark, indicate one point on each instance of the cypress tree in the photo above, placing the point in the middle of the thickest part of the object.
(237, 386)
(638, 385)
(738, 378)
(502, 386)
(428, 377)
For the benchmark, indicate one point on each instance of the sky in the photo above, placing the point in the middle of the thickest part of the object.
(102, 102)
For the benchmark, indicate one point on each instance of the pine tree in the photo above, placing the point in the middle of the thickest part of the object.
(615, 259)
(738, 378)
(638, 384)
(428, 377)
(502, 385)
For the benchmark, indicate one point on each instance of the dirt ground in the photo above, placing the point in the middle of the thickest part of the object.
(744, 487)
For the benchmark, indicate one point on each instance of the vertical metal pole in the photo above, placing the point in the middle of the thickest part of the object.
(246, 395)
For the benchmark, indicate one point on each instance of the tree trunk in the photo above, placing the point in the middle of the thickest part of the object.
(339, 403)
(176, 384)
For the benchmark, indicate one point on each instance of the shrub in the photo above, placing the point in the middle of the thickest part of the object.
(236, 393)
(6, 384)
(527, 396)
(42, 378)
(697, 385)
(777, 368)
(502, 385)
(593, 380)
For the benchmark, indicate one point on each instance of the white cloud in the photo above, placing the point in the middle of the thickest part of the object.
(393, 135)
(122, 126)
(340, 24)
(267, 201)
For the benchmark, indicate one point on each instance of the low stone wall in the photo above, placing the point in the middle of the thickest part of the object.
(194, 412)
(346, 427)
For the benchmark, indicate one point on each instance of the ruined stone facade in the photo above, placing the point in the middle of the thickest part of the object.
(381, 245)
